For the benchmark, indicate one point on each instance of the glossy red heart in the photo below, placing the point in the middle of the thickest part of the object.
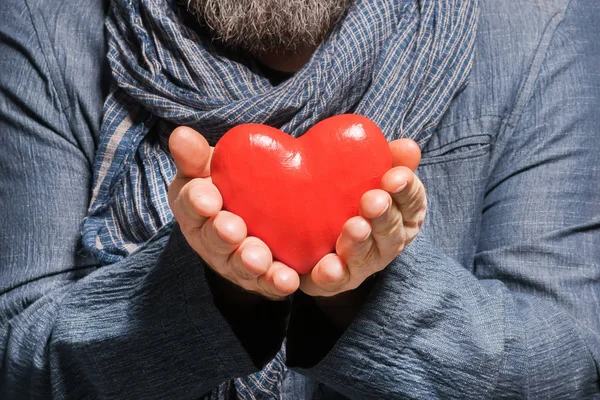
(296, 194)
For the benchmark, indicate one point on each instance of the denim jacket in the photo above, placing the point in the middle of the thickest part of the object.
(498, 297)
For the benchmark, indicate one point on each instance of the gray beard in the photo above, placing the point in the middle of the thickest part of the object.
(269, 26)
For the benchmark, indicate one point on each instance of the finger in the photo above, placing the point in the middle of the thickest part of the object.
(387, 228)
(374, 203)
(329, 277)
(251, 259)
(175, 188)
(197, 200)
(406, 153)
(220, 236)
(408, 193)
(357, 249)
(279, 281)
(191, 153)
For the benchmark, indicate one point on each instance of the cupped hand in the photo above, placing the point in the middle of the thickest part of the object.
(218, 236)
(390, 218)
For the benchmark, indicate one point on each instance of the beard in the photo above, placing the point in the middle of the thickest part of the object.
(269, 26)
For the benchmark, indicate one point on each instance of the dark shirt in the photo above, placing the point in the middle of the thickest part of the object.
(276, 77)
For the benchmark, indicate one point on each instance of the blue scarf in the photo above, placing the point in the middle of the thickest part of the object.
(398, 62)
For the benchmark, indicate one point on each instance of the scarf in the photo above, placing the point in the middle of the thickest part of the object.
(397, 62)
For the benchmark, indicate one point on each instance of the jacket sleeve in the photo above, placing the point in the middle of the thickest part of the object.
(145, 327)
(526, 323)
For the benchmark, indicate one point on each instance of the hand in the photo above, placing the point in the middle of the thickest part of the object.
(218, 236)
(390, 218)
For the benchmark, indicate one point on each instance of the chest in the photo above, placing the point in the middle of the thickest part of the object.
(454, 169)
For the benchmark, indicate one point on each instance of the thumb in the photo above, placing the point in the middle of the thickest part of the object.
(191, 153)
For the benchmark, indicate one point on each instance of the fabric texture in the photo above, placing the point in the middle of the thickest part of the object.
(499, 296)
(397, 62)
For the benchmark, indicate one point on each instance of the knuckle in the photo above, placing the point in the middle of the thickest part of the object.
(371, 257)
(414, 199)
(175, 188)
(191, 232)
(244, 284)
(416, 207)
(396, 230)
(264, 289)
(212, 244)
(241, 272)
(392, 226)
(400, 247)
(392, 242)
(333, 286)
(175, 198)
(234, 278)
(182, 205)
(205, 235)
(331, 289)
(417, 220)
(364, 262)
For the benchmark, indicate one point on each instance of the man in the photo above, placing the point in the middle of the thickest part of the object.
(496, 296)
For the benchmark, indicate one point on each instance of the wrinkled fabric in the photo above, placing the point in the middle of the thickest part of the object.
(397, 62)
(404, 59)
(497, 298)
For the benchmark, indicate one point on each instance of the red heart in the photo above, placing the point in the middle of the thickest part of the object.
(296, 194)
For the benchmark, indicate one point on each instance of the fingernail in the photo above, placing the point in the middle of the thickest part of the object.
(401, 187)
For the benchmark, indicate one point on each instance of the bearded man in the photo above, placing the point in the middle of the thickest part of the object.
(124, 277)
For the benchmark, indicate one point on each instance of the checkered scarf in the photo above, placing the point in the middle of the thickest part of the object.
(398, 62)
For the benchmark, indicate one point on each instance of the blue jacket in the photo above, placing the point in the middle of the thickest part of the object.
(498, 297)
